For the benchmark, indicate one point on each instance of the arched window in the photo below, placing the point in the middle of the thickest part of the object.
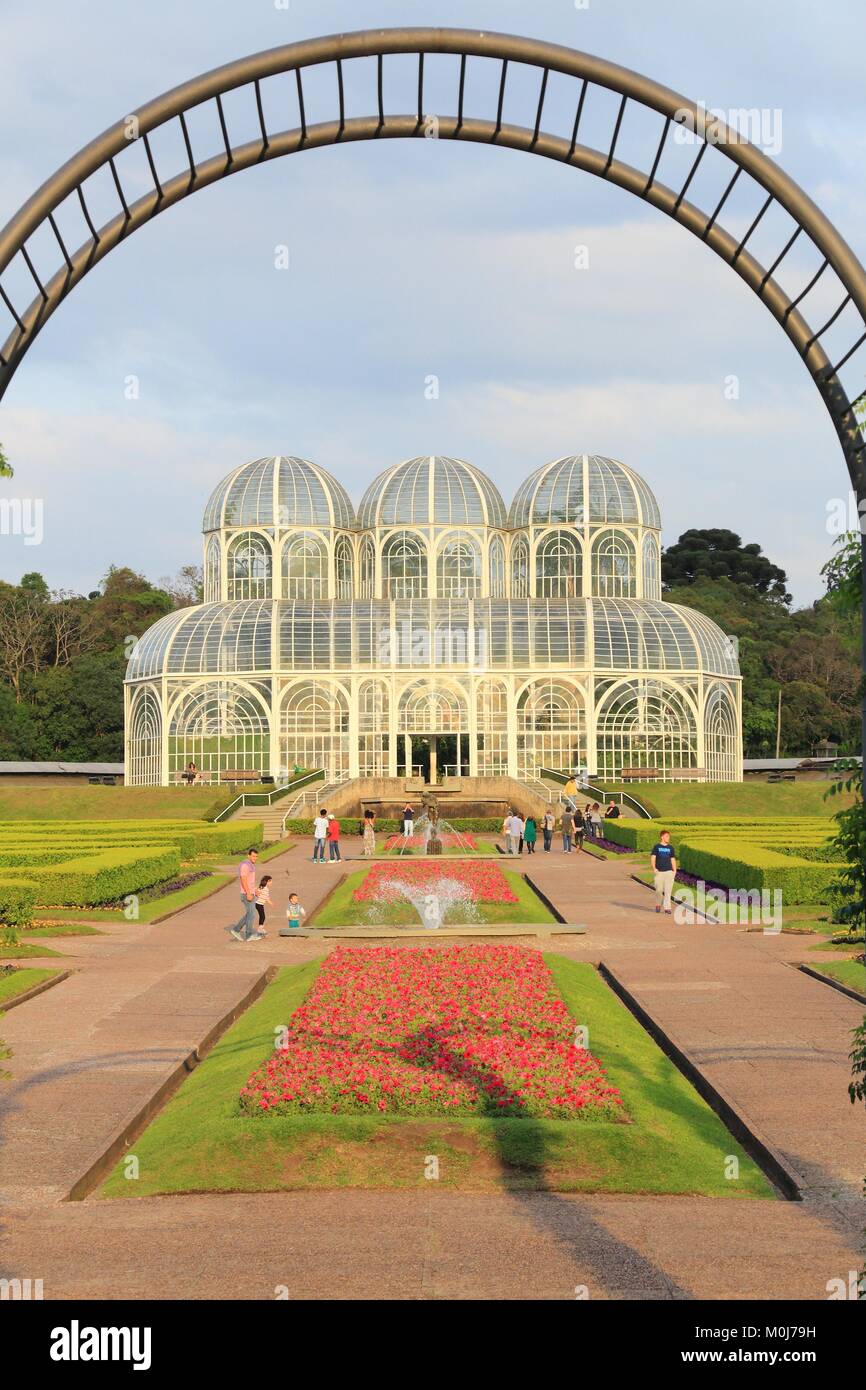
(373, 742)
(426, 708)
(249, 567)
(721, 740)
(458, 569)
(212, 571)
(492, 717)
(520, 569)
(652, 578)
(645, 723)
(404, 565)
(551, 728)
(497, 568)
(368, 568)
(305, 567)
(144, 762)
(314, 729)
(558, 566)
(343, 568)
(613, 566)
(220, 727)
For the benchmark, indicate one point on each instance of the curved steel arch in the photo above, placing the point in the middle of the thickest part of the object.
(811, 228)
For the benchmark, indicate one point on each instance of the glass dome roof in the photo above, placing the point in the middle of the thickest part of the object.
(431, 490)
(281, 491)
(612, 635)
(583, 488)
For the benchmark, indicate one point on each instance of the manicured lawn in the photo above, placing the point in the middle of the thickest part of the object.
(848, 972)
(52, 928)
(201, 1142)
(107, 803)
(707, 799)
(19, 981)
(342, 911)
(25, 952)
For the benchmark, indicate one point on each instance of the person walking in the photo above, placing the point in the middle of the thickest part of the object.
(263, 900)
(245, 930)
(516, 830)
(663, 861)
(571, 794)
(567, 830)
(548, 825)
(369, 832)
(587, 819)
(530, 834)
(408, 821)
(596, 822)
(333, 838)
(579, 829)
(320, 831)
(294, 915)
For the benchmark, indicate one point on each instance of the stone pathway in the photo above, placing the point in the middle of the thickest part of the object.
(90, 1053)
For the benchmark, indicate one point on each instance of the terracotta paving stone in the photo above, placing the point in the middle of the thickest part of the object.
(88, 1054)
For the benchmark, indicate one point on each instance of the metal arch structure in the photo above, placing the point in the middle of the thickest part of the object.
(829, 333)
(40, 218)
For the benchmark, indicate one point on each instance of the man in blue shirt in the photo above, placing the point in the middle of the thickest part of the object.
(664, 866)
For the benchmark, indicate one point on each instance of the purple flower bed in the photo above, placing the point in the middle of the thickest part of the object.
(610, 845)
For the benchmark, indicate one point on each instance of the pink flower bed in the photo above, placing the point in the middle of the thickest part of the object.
(485, 881)
(466, 1030)
(462, 841)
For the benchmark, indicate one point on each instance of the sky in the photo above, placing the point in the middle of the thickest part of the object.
(413, 260)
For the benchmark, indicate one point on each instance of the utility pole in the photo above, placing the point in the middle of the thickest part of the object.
(779, 723)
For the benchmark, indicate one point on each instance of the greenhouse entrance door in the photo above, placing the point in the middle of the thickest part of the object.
(435, 756)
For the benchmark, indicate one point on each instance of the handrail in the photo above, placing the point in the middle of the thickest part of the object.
(267, 798)
(624, 797)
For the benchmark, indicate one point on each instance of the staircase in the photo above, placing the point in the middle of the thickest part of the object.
(271, 818)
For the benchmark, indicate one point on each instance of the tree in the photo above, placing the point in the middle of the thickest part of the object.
(186, 588)
(6, 469)
(720, 554)
(22, 635)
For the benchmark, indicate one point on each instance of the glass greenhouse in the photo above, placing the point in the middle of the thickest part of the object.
(434, 630)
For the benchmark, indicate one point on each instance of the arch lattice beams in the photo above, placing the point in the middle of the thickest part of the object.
(37, 245)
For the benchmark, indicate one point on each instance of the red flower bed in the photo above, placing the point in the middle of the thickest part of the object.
(485, 881)
(471, 1030)
(452, 841)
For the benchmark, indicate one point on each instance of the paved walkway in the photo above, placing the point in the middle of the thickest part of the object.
(90, 1053)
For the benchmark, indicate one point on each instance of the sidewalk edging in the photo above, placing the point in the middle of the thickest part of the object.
(834, 984)
(132, 1128)
(785, 1178)
(32, 992)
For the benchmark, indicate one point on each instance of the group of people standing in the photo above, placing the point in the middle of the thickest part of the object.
(574, 825)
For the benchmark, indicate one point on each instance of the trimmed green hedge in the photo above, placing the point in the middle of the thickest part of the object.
(32, 845)
(17, 901)
(388, 826)
(758, 867)
(103, 876)
(643, 834)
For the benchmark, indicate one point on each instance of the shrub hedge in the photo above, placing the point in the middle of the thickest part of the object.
(102, 876)
(757, 866)
(17, 901)
(388, 826)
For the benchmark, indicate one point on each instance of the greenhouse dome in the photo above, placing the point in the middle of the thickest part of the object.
(432, 491)
(584, 489)
(433, 632)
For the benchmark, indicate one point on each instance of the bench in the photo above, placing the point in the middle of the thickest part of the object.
(240, 774)
(687, 774)
(630, 774)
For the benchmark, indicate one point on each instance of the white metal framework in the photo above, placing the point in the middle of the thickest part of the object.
(537, 636)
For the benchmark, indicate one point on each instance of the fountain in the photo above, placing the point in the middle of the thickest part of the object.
(430, 828)
(432, 906)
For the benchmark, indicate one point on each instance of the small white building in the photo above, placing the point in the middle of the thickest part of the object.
(433, 630)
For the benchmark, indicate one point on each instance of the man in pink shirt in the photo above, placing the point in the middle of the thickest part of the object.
(245, 929)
